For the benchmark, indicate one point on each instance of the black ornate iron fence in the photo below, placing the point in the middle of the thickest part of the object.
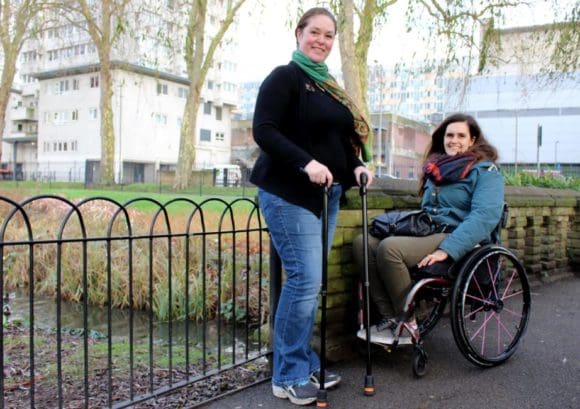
(189, 278)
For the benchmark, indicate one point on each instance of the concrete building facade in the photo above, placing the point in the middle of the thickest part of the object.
(60, 72)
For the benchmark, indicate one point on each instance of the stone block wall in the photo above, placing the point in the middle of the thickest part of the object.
(542, 230)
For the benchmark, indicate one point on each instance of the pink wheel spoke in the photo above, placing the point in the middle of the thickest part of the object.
(483, 300)
(515, 314)
(509, 284)
(483, 338)
(507, 331)
(483, 324)
(473, 312)
(512, 295)
(477, 285)
(493, 277)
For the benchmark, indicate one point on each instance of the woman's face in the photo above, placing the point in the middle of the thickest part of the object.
(316, 38)
(457, 138)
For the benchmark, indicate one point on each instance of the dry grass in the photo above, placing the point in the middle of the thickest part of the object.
(180, 264)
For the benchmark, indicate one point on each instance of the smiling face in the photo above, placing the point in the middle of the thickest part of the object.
(457, 138)
(315, 40)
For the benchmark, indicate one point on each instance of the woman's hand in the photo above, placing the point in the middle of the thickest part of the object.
(435, 257)
(360, 170)
(318, 173)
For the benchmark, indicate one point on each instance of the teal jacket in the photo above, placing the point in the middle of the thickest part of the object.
(472, 207)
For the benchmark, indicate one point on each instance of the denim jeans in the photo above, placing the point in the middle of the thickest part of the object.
(297, 236)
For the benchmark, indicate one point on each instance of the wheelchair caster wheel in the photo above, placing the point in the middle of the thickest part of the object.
(419, 363)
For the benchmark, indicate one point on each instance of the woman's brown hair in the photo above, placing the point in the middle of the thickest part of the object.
(314, 11)
(482, 149)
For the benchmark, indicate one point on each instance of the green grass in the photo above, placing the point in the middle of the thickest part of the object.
(528, 179)
(123, 194)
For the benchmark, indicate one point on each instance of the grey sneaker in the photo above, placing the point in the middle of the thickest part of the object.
(330, 379)
(301, 394)
(386, 323)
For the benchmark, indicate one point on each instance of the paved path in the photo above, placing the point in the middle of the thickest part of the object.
(544, 372)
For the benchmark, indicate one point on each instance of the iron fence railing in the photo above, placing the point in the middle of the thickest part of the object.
(189, 279)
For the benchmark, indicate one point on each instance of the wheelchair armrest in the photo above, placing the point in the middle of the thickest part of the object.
(442, 269)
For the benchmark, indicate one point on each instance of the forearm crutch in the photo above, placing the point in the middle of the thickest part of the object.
(369, 386)
(321, 399)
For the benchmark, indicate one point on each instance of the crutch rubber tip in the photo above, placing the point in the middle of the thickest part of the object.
(321, 401)
(369, 389)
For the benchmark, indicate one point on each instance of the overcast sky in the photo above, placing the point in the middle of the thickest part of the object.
(266, 39)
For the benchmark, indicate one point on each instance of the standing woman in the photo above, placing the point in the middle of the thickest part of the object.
(309, 133)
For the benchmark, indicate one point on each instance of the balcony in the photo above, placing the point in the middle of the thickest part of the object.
(21, 136)
(24, 114)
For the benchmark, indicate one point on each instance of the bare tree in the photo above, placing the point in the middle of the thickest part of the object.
(455, 23)
(105, 22)
(16, 21)
(198, 62)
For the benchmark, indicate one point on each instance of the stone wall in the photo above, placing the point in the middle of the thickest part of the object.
(542, 230)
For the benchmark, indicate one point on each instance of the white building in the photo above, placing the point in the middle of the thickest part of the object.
(150, 86)
(514, 97)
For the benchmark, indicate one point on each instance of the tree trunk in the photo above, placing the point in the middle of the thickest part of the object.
(350, 71)
(107, 130)
(8, 71)
(186, 157)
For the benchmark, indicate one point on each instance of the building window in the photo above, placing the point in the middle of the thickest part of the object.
(160, 119)
(205, 135)
(93, 114)
(182, 92)
(219, 136)
(95, 81)
(75, 86)
(75, 115)
(61, 87)
(209, 84)
(218, 113)
(207, 108)
(161, 89)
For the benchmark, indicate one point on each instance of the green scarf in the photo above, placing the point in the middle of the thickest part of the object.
(319, 73)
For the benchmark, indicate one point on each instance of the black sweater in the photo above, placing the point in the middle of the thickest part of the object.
(295, 122)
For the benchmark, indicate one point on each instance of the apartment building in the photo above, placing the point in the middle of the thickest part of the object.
(60, 72)
(413, 92)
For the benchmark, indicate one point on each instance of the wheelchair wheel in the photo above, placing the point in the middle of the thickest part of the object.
(490, 306)
(419, 362)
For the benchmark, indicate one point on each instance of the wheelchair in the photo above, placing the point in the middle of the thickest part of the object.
(489, 296)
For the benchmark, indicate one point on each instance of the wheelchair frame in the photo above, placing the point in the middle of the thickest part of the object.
(503, 304)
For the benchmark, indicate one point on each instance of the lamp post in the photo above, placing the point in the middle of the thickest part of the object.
(556, 164)
(378, 82)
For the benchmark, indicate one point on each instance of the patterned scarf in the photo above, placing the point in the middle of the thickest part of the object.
(362, 141)
(443, 169)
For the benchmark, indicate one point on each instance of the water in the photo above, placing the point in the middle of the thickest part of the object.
(45, 312)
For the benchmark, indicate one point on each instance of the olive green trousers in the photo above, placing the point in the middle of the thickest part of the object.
(389, 262)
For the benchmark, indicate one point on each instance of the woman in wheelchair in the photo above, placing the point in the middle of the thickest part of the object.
(463, 191)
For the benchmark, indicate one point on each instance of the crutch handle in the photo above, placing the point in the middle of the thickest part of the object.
(364, 179)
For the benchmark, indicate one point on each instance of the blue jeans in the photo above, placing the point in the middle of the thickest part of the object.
(297, 236)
